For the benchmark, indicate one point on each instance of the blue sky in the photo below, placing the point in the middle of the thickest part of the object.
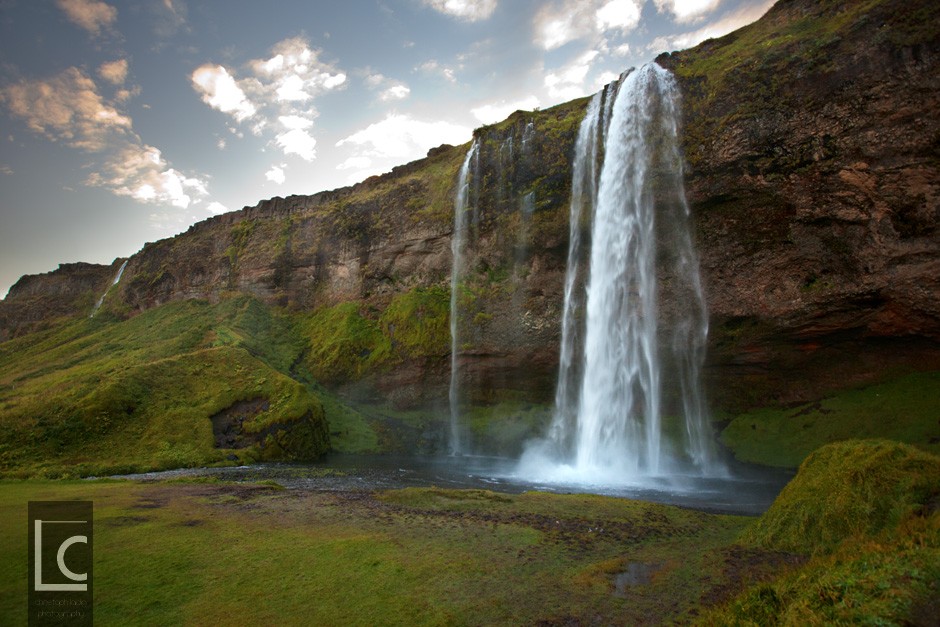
(126, 122)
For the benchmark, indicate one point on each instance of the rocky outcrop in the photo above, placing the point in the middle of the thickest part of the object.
(36, 300)
(812, 173)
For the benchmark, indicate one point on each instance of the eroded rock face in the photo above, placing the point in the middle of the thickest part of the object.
(36, 300)
(812, 174)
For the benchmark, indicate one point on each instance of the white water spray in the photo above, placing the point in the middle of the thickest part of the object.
(116, 280)
(457, 245)
(607, 426)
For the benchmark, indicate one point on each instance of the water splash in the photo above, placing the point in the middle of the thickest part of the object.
(457, 246)
(608, 422)
(116, 280)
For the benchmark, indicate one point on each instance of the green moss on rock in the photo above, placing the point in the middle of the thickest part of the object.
(847, 490)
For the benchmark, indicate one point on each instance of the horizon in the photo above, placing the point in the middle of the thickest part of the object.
(150, 120)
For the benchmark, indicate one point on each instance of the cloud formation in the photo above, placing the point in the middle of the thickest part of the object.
(276, 174)
(722, 26)
(115, 72)
(569, 81)
(498, 111)
(686, 11)
(395, 139)
(569, 20)
(92, 15)
(274, 94)
(69, 108)
(469, 10)
(388, 89)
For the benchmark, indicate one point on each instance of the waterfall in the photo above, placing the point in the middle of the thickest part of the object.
(583, 191)
(457, 244)
(609, 401)
(116, 280)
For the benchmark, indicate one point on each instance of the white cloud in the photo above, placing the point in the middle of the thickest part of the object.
(395, 92)
(295, 73)
(497, 111)
(724, 25)
(115, 72)
(6, 170)
(401, 136)
(275, 93)
(67, 107)
(216, 208)
(139, 171)
(92, 15)
(220, 91)
(221, 144)
(568, 82)
(470, 10)
(355, 163)
(389, 89)
(298, 142)
(433, 67)
(570, 20)
(686, 11)
(276, 174)
(395, 139)
(618, 14)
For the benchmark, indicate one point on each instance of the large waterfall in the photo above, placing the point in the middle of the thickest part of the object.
(634, 323)
(457, 245)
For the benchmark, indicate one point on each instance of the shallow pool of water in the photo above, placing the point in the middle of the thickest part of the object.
(747, 489)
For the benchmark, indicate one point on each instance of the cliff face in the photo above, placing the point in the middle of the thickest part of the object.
(38, 299)
(812, 172)
(813, 175)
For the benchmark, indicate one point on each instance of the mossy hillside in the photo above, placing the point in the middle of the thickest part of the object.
(858, 488)
(866, 511)
(95, 396)
(351, 339)
(903, 409)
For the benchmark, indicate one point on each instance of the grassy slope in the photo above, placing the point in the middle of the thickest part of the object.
(94, 396)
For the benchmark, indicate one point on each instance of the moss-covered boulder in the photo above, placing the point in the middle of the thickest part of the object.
(847, 490)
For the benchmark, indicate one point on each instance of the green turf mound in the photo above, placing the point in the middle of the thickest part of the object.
(848, 489)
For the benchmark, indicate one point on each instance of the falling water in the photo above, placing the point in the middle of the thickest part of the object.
(609, 400)
(583, 191)
(457, 243)
(116, 280)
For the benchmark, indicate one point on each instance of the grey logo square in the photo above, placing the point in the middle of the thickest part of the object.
(60, 562)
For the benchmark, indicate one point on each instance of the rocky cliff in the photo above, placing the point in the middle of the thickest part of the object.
(37, 300)
(811, 142)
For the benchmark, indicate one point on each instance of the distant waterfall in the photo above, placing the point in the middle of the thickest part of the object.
(609, 402)
(116, 280)
(457, 245)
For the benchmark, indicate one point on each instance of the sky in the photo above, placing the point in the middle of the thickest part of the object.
(124, 122)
